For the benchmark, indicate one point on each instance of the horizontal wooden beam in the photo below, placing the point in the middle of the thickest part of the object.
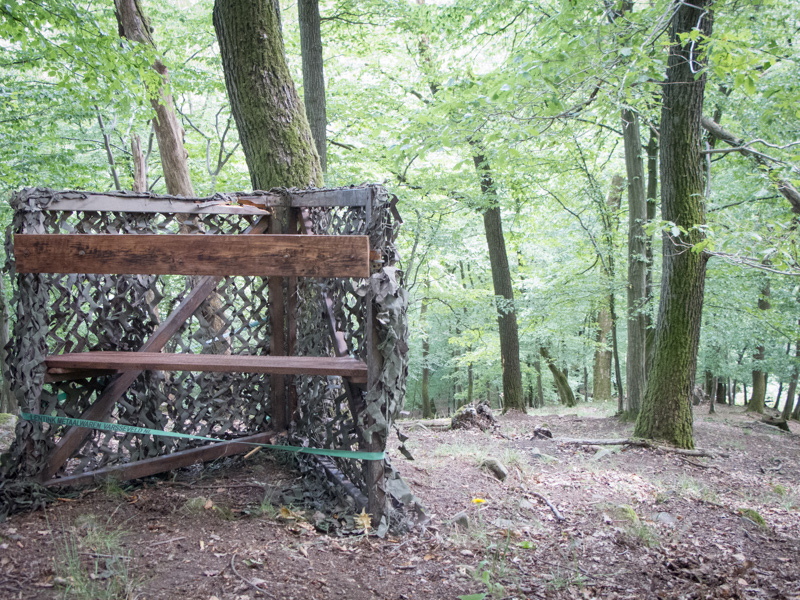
(160, 464)
(217, 255)
(257, 202)
(351, 368)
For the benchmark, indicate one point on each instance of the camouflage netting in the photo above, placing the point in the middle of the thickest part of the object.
(58, 313)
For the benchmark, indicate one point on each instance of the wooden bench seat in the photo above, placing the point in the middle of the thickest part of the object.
(62, 364)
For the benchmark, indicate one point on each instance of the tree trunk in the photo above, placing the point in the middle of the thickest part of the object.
(601, 384)
(637, 264)
(652, 191)
(139, 165)
(539, 388)
(758, 398)
(666, 411)
(313, 75)
(470, 383)
(269, 115)
(427, 413)
(790, 393)
(133, 25)
(565, 393)
(711, 404)
(503, 290)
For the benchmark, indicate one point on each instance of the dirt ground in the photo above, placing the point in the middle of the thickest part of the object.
(637, 523)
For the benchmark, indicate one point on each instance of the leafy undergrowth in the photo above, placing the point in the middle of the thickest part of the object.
(637, 523)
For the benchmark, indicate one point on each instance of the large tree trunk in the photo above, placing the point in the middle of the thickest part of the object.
(272, 124)
(313, 75)
(758, 398)
(601, 384)
(666, 411)
(637, 264)
(513, 398)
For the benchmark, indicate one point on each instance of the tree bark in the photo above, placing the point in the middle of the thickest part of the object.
(134, 26)
(652, 195)
(759, 395)
(637, 264)
(790, 393)
(666, 411)
(565, 393)
(8, 401)
(269, 115)
(139, 165)
(539, 389)
(427, 413)
(601, 384)
(313, 75)
(503, 290)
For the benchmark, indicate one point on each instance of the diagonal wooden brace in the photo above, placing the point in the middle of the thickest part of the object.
(102, 407)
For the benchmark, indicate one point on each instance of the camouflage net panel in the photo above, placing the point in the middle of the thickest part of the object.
(72, 313)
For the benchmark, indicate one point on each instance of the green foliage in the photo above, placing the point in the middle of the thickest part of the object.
(411, 90)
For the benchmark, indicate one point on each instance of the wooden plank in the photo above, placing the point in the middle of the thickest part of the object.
(257, 202)
(144, 204)
(291, 322)
(159, 464)
(215, 255)
(220, 363)
(101, 408)
(54, 375)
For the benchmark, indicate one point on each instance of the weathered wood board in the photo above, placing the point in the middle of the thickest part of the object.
(227, 363)
(258, 255)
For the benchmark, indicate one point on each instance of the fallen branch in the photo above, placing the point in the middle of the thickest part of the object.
(558, 515)
(638, 443)
(177, 539)
(247, 581)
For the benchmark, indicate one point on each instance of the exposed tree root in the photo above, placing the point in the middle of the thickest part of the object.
(640, 443)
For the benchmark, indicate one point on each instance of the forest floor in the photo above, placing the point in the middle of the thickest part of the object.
(638, 523)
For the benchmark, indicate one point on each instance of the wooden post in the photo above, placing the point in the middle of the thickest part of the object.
(375, 469)
(291, 319)
(277, 338)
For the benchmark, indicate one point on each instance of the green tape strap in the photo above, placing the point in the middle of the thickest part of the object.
(158, 432)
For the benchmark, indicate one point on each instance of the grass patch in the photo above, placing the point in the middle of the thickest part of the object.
(91, 562)
(633, 526)
(754, 516)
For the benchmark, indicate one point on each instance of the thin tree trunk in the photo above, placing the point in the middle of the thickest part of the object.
(711, 404)
(313, 75)
(601, 383)
(560, 380)
(470, 383)
(652, 205)
(667, 411)
(635, 367)
(427, 413)
(139, 165)
(758, 398)
(790, 393)
(109, 155)
(539, 388)
(615, 348)
(503, 290)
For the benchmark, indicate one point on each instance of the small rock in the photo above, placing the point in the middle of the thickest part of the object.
(497, 468)
(504, 523)
(542, 432)
(461, 520)
(537, 454)
(602, 453)
(666, 518)
(526, 504)
(467, 553)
